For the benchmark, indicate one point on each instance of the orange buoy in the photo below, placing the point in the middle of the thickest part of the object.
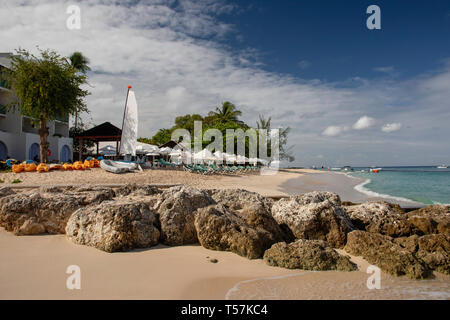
(42, 167)
(30, 167)
(16, 168)
(78, 166)
(67, 166)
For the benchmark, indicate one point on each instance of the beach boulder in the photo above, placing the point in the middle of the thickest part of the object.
(176, 207)
(433, 250)
(114, 226)
(431, 219)
(253, 208)
(380, 217)
(382, 251)
(314, 216)
(303, 254)
(36, 213)
(136, 190)
(6, 191)
(237, 199)
(244, 233)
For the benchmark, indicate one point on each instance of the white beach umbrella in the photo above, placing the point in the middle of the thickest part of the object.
(230, 158)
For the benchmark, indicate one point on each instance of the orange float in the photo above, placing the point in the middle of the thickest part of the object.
(78, 166)
(67, 166)
(30, 167)
(42, 167)
(16, 168)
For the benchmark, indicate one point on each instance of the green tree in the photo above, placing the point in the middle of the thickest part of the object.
(162, 136)
(226, 113)
(81, 64)
(285, 151)
(46, 87)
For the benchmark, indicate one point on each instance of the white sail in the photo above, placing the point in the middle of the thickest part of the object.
(130, 126)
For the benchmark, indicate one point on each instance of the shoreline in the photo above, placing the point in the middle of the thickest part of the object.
(348, 188)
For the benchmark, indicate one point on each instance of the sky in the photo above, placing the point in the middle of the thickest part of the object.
(351, 95)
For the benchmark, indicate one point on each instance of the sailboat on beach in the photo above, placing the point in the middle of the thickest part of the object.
(128, 139)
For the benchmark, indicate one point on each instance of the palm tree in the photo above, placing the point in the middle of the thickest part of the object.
(227, 113)
(80, 63)
(263, 123)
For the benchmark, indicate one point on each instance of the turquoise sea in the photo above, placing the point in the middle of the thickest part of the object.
(428, 185)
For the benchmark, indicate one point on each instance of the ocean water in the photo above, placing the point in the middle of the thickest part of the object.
(427, 185)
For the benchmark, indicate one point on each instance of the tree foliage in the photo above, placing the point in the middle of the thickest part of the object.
(222, 118)
(46, 87)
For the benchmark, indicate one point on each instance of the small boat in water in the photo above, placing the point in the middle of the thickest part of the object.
(442, 167)
(375, 170)
(336, 169)
(347, 168)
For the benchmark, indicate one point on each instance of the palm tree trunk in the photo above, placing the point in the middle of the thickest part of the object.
(43, 134)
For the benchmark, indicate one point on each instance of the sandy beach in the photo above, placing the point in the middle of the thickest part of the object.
(34, 267)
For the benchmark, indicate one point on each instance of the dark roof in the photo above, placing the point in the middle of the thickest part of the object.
(171, 144)
(103, 132)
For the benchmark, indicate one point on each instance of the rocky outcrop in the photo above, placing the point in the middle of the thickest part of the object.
(433, 250)
(6, 191)
(382, 251)
(114, 226)
(176, 207)
(237, 199)
(380, 217)
(431, 219)
(308, 255)
(253, 208)
(46, 211)
(314, 216)
(35, 213)
(136, 190)
(244, 233)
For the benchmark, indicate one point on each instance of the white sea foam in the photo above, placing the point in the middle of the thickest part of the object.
(361, 188)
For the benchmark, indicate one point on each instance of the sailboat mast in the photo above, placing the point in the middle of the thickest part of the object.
(124, 115)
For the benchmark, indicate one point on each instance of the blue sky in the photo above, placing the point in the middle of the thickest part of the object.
(351, 96)
(328, 40)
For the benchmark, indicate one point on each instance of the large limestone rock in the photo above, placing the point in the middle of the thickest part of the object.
(36, 213)
(220, 228)
(237, 199)
(308, 255)
(114, 226)
(6, 191)
(253, 208)
(433, 250)
(315, 216)
(379, 217)
(431, 219)
(176, 207)
(135, 190)
(383, 252)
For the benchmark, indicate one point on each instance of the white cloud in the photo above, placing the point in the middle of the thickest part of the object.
(333, 131)
(391, 127)
(364, 122)
(174, 56)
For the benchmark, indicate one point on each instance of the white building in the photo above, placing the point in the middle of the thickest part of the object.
(19, 138)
